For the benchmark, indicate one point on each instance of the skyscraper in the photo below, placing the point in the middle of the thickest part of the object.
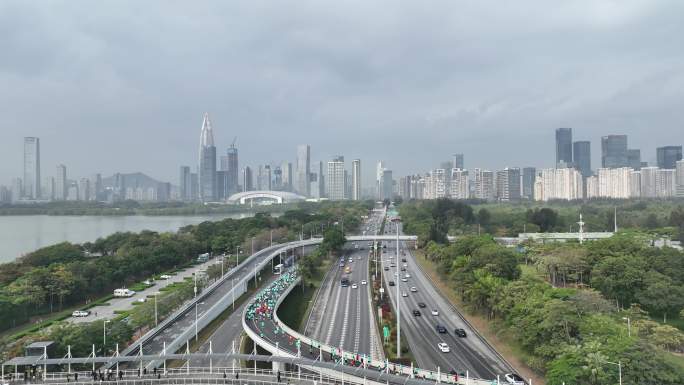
(247, 179)
(386, 184)
(61, 184)
(264, 177)
(679, 178)
(668, 156)
(614, 151)
(185, 183)
(564, 146)
(528, 178)
(207, 162)
(229, 164)
(460, 185)
(508, 184)
(484, 184)
(322, 180)
(287, 176)
(335, 179)
(458, 161)
(303, 170)
(378, 179)
(581, 154)
(634, 158)
(356, 180)
(32, 167)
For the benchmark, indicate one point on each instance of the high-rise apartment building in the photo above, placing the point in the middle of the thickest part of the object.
(321, 181)
(379, 169)
(185, 184)
(286, 168)
(436, 185)
(222, 185)
(61, 184)
(229, 164)
(614, 151)
(32, 167)
(264, 177)
(634, 158)
(581, 154)
(484, 184)
(665, 183)
(458, 162)
(84, 189)
(207, 162)
(564, 146)
(558, 184)
(356, 180)
(303, 170)
(679, 178)
(335, 179)
(508, 184)
(668, 156)
(528, 178)
(247, 179)
(460, 184)
(648, 182)
(386, 184)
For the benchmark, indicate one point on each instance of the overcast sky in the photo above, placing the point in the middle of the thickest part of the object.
(121, 86)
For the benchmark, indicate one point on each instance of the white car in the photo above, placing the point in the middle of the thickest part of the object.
(413, 289)
(514, 379)
(354, 286)
(141, 300)
(404, 280)
(363, 282)
(443, 347)
(80, 313)
(407, 275)
(164, 276)
(434, 312)
(404, 294)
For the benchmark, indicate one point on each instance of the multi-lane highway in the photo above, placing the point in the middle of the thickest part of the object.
(341, 315)
(469, 353)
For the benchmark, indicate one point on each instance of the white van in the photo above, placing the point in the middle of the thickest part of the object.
(123, 293)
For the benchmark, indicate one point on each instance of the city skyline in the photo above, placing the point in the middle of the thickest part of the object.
(459, 90)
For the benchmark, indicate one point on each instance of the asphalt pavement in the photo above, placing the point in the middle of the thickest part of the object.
(466, 353)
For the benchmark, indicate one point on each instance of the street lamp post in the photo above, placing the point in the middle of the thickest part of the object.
(155, 309)
(104, 336)
(398, 298)
(629, 325)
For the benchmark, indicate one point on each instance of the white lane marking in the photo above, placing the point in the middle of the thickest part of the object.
(358, 321)
(334, 314)
(345, 321)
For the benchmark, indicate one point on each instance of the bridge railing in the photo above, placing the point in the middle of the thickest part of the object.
(386, 366)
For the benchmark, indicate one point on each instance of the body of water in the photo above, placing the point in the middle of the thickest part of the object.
(21, 234)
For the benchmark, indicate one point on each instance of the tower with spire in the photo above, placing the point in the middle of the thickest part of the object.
(207, 162)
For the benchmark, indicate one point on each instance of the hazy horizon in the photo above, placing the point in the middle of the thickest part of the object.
(122, 86)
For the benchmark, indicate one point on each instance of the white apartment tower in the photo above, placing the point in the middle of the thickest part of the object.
(335, 181)
(356, 180)
(460, 184)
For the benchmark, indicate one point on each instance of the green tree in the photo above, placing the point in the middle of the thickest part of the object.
(660, 294)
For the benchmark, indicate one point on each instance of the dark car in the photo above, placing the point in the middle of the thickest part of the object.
(416, 313)
(391, 283)
(386, 268)
(421, 305)
(441, 329)
(403, 269)
(460, 332)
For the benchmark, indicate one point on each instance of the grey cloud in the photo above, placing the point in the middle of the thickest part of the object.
(121, 86)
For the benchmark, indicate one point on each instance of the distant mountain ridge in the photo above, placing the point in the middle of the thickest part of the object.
(136, 179)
